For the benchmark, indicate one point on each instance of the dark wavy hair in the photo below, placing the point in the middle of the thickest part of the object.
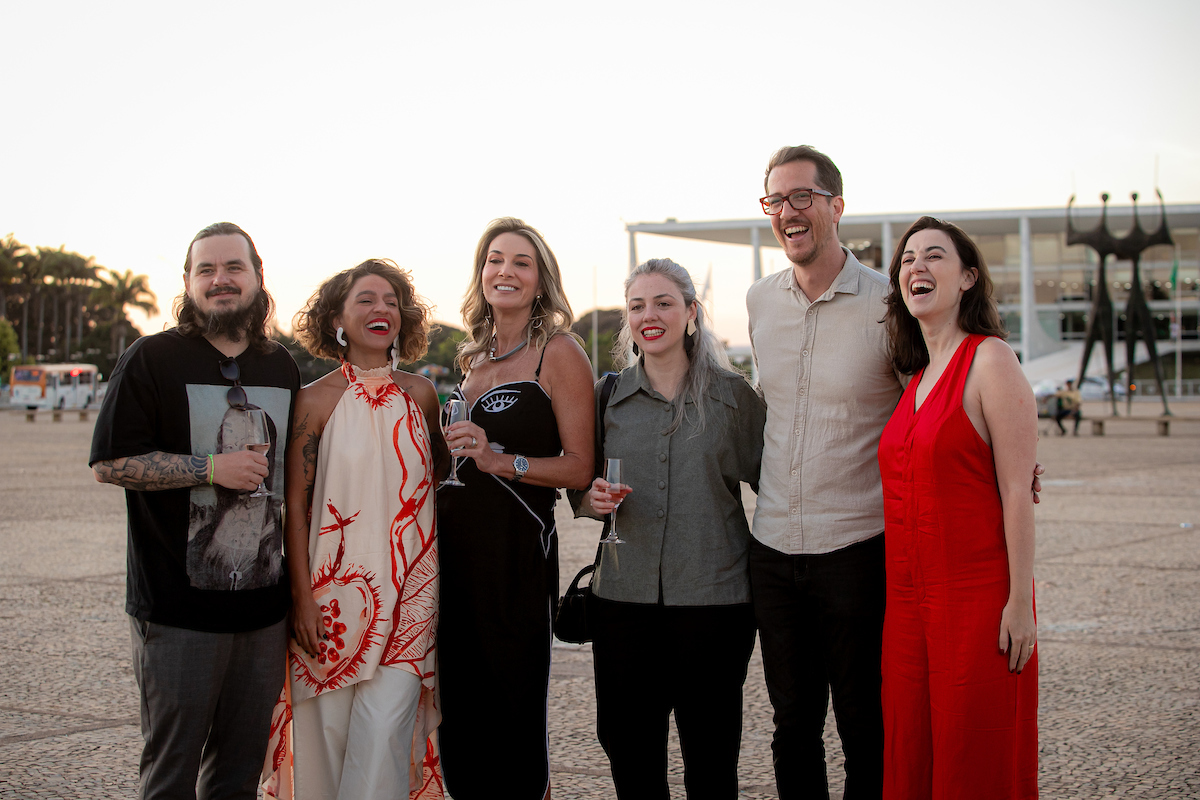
(313, 325)
(977, 312)
(261, 311)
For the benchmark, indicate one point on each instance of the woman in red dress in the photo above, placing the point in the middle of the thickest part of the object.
(959, 669)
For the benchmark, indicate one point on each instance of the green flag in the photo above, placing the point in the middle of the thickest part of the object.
(1175, 275)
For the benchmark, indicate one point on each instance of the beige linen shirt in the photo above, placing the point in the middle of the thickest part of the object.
(825, 372)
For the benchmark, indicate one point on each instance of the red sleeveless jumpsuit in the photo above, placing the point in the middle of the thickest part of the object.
(957, 723)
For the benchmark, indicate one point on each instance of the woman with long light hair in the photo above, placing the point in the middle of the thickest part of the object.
(674, 626)
(527, 386)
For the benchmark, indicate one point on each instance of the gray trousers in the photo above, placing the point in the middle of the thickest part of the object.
(206, 702)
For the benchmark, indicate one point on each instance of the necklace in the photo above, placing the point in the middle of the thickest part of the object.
(492, 350)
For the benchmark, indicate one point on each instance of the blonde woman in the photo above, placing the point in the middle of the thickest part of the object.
(674, 627)
(528, 387)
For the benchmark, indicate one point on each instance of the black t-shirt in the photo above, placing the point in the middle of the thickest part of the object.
(204, 558)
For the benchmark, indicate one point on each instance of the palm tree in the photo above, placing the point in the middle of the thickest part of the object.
(12, 254)
(118, 291)
(31, 280)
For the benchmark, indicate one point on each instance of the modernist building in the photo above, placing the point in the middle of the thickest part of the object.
(1044, 287)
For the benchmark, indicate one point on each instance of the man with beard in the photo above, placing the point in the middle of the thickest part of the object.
(209, 640)
(816, 558)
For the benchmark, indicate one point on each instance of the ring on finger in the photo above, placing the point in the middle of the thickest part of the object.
(474, 442)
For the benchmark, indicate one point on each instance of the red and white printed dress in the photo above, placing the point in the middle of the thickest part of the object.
(373, 554)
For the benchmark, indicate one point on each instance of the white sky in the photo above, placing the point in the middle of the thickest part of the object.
(334, 134)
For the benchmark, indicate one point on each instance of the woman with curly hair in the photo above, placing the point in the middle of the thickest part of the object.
(362, 463)
(959, 634)
(528, 386)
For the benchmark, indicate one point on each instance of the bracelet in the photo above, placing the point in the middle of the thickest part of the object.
(211, 469)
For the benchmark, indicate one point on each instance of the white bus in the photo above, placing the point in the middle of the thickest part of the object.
(55, 385)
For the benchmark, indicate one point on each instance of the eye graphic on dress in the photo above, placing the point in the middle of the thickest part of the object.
(496, 402)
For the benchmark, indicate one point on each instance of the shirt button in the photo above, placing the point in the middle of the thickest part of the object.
(793, 472)
(662, 484)
(805, 352)
(662, 456)
(660, 513)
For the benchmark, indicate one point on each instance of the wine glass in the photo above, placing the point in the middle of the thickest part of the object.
(258, 440)
(456, 412)
(617, 491)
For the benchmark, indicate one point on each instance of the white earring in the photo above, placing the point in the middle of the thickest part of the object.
(341, 338)
(396, 353)
(691, 327)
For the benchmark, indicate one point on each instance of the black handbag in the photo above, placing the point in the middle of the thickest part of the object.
(572, 619)
(572, 622)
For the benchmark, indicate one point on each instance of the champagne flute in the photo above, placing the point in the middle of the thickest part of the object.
(456, 412)
(617, 491)
(258, 440)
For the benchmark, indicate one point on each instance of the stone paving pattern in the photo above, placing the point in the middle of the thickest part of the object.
(1118, 594)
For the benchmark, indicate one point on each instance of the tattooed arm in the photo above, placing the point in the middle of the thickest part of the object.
(314, 404)
(241, 470)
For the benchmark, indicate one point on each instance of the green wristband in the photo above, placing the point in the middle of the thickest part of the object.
(211, 469)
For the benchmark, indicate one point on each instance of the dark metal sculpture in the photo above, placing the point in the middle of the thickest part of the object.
(1099, 326)
(1138, 321)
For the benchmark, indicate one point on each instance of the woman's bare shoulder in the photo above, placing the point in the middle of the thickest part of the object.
(564, 351)
(316, 401)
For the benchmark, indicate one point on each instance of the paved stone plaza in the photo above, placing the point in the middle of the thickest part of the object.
(1118, 591)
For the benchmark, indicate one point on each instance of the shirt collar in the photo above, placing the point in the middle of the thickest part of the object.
(846, 282)
(633, 379)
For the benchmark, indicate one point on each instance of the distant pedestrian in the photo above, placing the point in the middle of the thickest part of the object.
(1070, 403)
(206, 590)
(959, 667)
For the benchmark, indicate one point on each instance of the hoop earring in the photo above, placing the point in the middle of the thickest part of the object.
(535, 320)
(340, 336)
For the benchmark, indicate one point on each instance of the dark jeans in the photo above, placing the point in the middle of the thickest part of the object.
(206, 702)
(1063, 414)
(820, 621)
(652, 659)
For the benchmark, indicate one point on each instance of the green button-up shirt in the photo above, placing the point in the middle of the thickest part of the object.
(684, 525)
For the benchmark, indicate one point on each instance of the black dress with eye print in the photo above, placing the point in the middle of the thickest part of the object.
(499, 585)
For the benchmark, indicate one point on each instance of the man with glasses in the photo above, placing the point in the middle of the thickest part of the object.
(816, 561)
(206, 589)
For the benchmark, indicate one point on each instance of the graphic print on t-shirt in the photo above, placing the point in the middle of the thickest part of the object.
(235, 541)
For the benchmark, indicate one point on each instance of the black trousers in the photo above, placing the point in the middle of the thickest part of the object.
(652, 659)
(820, 620)
(1063, 414)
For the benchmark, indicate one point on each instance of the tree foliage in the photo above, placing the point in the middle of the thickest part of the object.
(62, 306)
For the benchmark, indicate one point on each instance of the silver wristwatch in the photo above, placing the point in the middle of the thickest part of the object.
(520, 467)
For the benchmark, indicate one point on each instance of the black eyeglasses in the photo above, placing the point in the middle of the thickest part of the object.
(799, 200)
(236, 396)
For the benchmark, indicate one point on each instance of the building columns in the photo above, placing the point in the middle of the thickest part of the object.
(756, 248)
